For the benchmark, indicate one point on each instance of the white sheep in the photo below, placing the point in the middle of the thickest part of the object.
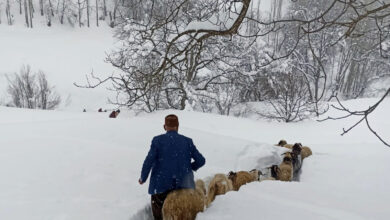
(219, 185)
(185, 204)
(243, 177)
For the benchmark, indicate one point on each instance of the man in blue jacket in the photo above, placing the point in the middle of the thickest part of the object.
(170, 159)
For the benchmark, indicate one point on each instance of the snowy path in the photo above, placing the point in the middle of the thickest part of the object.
(66, 165)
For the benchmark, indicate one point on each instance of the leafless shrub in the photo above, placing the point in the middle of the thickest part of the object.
(292, 102)
(32, 90)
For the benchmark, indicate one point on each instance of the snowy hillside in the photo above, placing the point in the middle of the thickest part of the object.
(66, 165)
(66, 55)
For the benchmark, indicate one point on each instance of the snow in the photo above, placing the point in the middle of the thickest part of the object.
(65, 54)
(74, 165)
(65, 164)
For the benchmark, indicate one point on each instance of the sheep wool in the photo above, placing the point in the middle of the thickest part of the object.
(185, 203)
(285, 169)
(306, 152)
(243, 177)
(283, 143)
(219, 185)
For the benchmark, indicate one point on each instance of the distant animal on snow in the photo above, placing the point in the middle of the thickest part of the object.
(114, 114)
(219, 185)
(243, 177)
(185, 204)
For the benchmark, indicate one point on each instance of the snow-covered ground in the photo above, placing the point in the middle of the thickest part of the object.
(59, 165)
(73, 165)
(65, 54)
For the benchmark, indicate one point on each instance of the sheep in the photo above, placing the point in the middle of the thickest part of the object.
(283, 143)
(297, 157)
(306, 152)
(285, 170)
(185, 203)
(267, 174)
(219, 185)
(243, 177)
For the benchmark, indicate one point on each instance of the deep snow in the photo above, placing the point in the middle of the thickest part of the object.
(71, 165)
(59, 165)
(65, 54)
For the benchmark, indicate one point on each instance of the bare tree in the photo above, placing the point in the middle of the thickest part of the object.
(104, 9)
(97, 13)
(31, 11)
(10, 17)
(26, 10)
(291, 102)
(32, 90)
(79, 11)
(88, 8)
(168, 42)
(41, 3)
(363, 114)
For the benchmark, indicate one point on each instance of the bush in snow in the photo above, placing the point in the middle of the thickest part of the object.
(291, 102)
(32, 90)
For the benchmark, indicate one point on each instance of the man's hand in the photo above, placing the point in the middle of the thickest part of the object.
(140, 181)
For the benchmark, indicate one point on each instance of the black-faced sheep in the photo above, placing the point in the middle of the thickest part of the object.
(219, 185)
(243, 177)
(283, 143)
(185, 203)
(305, 151)
(296, 157)
(285, 169)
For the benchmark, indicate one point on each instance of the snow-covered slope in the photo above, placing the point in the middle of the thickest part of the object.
(65, 54)
(67, 165)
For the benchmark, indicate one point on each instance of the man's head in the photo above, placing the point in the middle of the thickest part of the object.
(171, 123)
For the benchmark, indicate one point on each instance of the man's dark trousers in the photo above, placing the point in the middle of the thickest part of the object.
(157, 204)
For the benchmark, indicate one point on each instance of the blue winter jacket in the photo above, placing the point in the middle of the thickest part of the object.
(170, 159)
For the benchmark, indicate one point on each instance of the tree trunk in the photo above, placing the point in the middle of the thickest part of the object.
(41, 6)
(20, 7)
(51, 8)
(79, 4)
(63, 12)
(104, 8)
(31, 13)
(26, 13)
(87, 13)
(8, 13)
(97, 13)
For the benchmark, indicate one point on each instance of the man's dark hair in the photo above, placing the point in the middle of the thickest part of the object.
(171, 121)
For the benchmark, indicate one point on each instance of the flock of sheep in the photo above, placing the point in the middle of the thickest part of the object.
(185, 204)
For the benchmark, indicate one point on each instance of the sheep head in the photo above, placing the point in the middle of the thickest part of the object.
(255, 174)
(232, 176)
(297, 148)
(282, 142)
(287, 158)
